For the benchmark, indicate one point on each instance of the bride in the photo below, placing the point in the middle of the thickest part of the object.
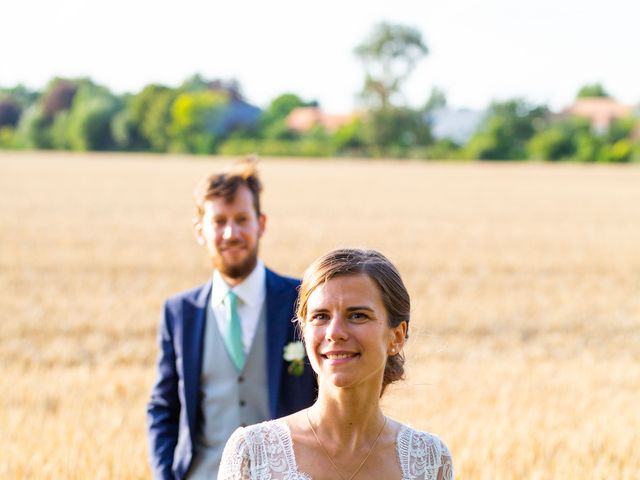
(353, 312)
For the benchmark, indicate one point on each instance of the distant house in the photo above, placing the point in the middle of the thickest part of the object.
(600, 111)
(303, 119)
(456, 125)
(239, 114)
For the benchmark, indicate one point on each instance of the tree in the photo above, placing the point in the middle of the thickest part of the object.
(89, 119)
(197, 121)
(389, 56)
(592, 90)
(553, 143)
(58, 97)
(33, 129)
(156, 124)
(197, 83)
(506, 130)
(138, 107)
(399, 129)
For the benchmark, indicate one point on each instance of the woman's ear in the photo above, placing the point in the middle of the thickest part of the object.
(398, 336)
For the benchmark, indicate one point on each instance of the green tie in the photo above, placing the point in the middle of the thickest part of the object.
(233, 338)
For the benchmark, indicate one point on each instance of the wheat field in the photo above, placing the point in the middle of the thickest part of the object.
(524, 349)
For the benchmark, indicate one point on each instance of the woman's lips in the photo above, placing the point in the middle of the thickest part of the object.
(339, 356)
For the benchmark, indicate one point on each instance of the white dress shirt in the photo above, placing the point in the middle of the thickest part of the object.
(251, 293)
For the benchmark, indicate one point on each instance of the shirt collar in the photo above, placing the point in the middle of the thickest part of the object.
(250, 291)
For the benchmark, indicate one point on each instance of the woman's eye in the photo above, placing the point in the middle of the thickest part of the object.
(359, 317)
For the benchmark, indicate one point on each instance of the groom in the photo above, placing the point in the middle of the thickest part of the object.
(221, 344)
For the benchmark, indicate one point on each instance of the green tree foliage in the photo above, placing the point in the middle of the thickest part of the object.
(130, 125)
(559, 140)
(395, 131)
(33, 130)
(196, 121)
(389, 56)
(350, 138)
(592, 90)
(507, 129)
(621, 129)
(156, 125)
(197, 83)
(88, 124)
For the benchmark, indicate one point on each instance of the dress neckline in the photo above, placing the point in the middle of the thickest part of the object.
(291, 454)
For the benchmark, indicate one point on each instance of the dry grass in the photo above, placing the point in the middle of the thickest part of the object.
(525, 348)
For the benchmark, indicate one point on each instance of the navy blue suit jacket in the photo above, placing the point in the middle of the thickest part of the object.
(174, 412)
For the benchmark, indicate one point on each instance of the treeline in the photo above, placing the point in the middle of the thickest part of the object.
(212, 116)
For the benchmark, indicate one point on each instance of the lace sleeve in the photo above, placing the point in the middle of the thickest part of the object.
(235, 458)
(423, 456)
(446, 464)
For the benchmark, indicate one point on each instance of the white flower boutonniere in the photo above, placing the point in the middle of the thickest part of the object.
(294, 354)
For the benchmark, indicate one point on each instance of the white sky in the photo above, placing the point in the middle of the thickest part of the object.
(480, 50)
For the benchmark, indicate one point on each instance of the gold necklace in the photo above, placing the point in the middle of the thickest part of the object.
(366, 457)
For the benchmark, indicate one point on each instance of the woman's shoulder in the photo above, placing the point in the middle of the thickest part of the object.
(420, 452)
(410, 436)
(260, 432)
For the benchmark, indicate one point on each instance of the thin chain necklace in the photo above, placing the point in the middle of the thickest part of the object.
(366, 457)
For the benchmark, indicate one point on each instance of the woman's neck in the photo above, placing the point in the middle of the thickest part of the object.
(347, 415)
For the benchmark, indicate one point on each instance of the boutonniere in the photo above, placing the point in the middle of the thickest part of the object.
(294, 354)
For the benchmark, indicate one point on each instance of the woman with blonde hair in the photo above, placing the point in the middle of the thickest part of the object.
(353, 312)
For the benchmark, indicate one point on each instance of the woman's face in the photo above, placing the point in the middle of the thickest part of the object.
(347, 333)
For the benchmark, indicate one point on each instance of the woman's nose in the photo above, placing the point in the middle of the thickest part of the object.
(336, 330)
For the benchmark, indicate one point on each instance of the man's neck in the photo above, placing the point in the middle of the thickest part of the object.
(232, 282)
(235, 281)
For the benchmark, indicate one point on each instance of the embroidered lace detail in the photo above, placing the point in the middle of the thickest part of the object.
(423, 456)
(265, 452)
(260, 452)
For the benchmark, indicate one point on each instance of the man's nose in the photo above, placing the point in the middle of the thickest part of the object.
(229, 231)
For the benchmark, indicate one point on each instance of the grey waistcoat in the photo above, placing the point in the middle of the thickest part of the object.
(228, 399)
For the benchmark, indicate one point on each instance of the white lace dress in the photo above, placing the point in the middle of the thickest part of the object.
(265, 452)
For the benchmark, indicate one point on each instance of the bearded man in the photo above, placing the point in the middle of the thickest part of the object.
(221, 363)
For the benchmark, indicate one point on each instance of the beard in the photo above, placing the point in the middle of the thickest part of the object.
(238, 270)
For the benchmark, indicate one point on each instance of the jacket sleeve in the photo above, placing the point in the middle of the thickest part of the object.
(163, 410)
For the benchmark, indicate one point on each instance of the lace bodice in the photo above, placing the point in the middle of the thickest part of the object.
(265, 452)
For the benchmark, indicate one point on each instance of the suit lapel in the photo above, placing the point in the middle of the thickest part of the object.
(194, 321)
(278, 309)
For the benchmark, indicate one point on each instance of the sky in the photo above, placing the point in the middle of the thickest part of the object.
(479, 51)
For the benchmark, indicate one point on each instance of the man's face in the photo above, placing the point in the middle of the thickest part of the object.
(231, 231)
